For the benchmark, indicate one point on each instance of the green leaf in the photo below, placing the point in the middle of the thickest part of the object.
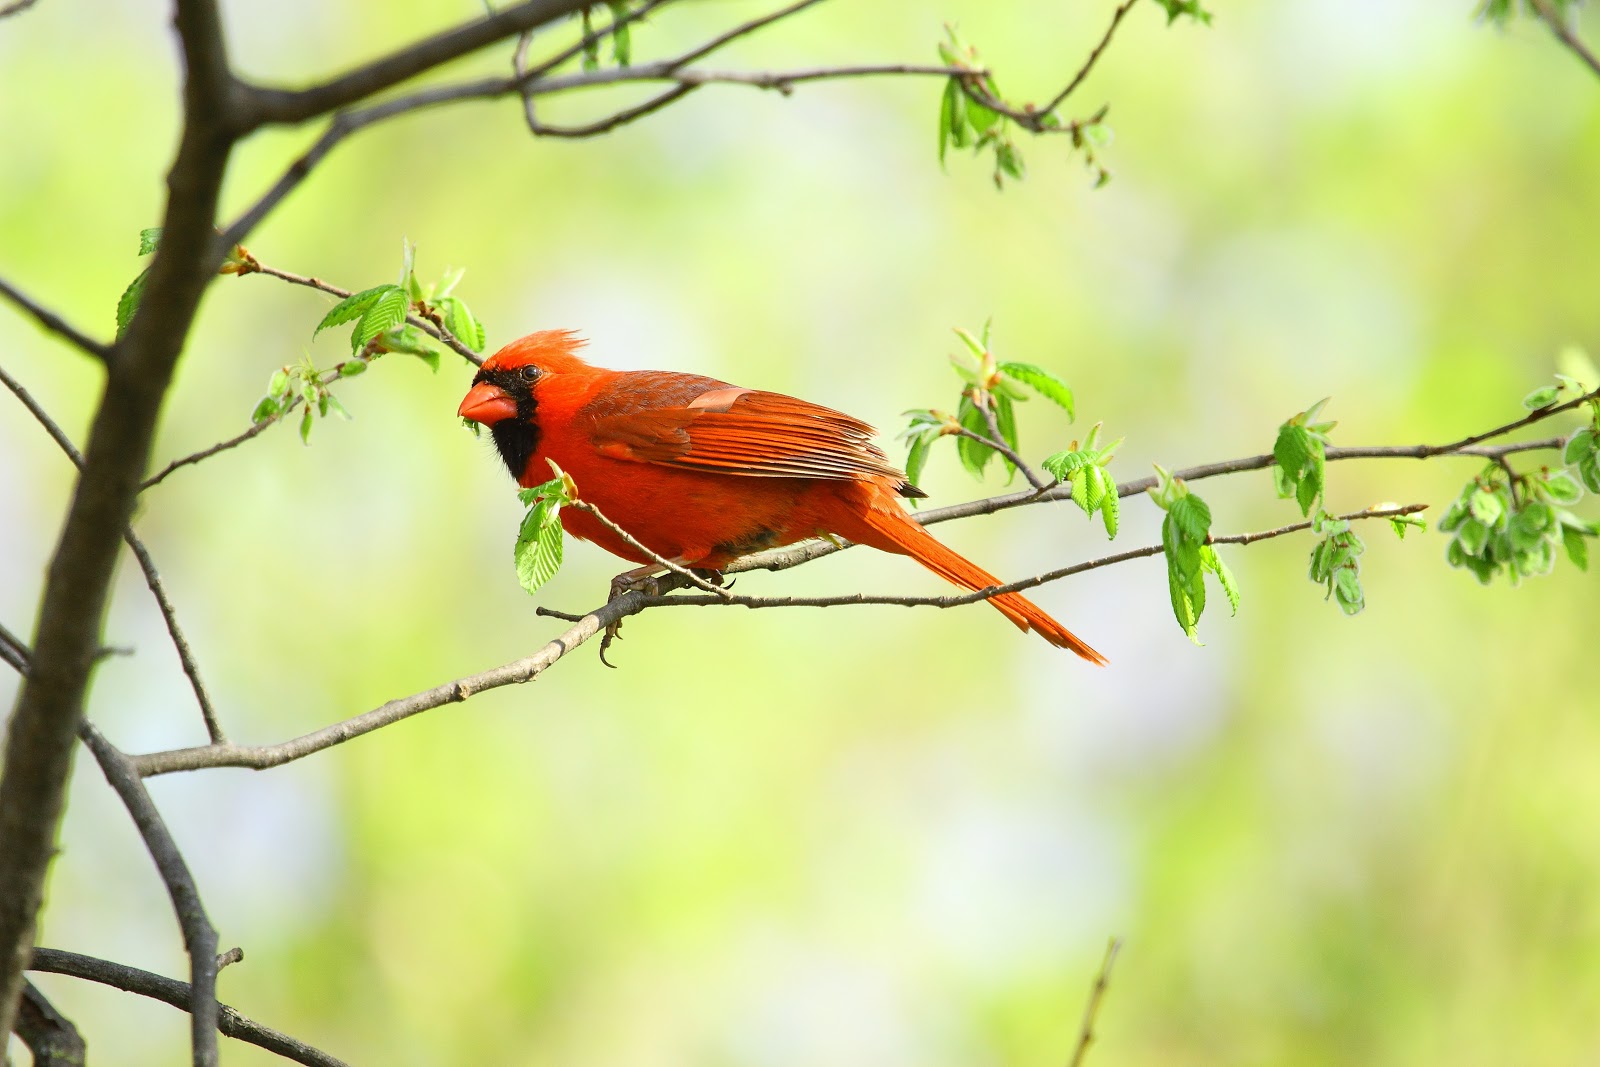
(460, 321)
(1062, 464)
(1080, 488)
(149, 239)
(917, 458)
(1214, 564)
(1541, 397)
(539, 540)
(975, 455)
(1486, 506)
(1347, 590)
(975, 346)
(278, 384)
(267, 409)
(1400, 523)
(332, 404)
(1110, 512)
(1562, 489)
(352, 367)
(128, 303)
(1577, 548)
(621, 42)
(979, 116)
(1581, 444)
(305, 426)
(352, 307)
(1042, 382)
(591, 44)
(1192, 516)
(1473, 537)
(384, 314)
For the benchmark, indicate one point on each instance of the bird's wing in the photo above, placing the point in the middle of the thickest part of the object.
(687, 421)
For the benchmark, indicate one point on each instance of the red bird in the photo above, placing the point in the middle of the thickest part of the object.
(703, 472)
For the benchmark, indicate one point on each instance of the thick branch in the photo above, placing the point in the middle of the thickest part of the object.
(199, 937)
(49, 709)
(51, 1038)
(52, 322)
(178, 994)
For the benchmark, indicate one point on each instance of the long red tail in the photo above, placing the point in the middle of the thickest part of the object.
(888, 528)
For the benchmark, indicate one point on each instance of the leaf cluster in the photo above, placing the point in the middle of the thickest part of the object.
(991, 390)
(1093, 487)
(621, 38)
(299, 382)
(966, 121)
(381, 315)
(1336, 560)
(1185, 541)
(1516, 524)
(1301, 457)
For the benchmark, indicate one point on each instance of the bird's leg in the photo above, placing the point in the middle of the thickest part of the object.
(638, 580)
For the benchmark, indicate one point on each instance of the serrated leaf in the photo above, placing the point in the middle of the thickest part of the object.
(1062, 464)
(1042, 382)
(1305, 494)
(1096, 484)
(351, 307)
(539, 546)
(384, 314)
(149, 239)
(1192, 517)
(1080, 488)
(128, 303)
(460, 321)
(1110, 510)
(1230, 587)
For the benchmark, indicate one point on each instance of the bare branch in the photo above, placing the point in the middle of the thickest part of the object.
(16, 7)
(51, 1038)
(1091, 1010)
(956, 601)
(661, 561)
(1564, 33)
(1094, 57)
(199, 937)
(147, 566)
(13, 651)
(288, 106)
(50, 320)
(178, 994)
(220, 446)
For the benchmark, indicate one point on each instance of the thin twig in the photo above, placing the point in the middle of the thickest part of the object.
(989, 593)
(169, 615)
(178, 994)
(220, 446)
(13, 651)
(655, 557)
(1091, 1010)
(997, 441)
(16, 7)
(199, 937)
(44, 316)
(1094, 57)
(1564, 33)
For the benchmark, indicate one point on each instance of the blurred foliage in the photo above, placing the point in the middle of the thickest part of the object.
(872, 836)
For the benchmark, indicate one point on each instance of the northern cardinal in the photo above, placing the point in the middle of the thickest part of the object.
(703, 472)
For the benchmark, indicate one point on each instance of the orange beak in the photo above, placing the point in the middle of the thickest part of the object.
(487, 404)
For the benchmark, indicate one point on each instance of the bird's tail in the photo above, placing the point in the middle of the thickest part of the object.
(886, 527)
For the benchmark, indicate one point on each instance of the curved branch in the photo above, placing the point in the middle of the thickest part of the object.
(199, 937)
(178, 994)
(53, 322)
(51, 1038)
(1564, 33)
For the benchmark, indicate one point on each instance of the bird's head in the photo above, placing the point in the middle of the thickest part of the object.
(505, 391)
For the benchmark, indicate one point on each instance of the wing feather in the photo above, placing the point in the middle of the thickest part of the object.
(711, 425)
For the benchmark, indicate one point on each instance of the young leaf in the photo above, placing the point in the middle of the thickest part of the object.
(128, 303)
(149, 239)
(351, 307)
(384, 314)
(267, 409)
(1042, 382)
(1541, 397)
(538, 549)
(305, 426)
(460, 321)
(1214, 564)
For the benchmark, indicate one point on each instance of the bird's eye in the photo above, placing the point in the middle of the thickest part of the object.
(529, 372)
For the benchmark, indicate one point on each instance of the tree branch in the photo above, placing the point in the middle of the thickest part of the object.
(199, 937)
(51, 1038)
(53, 322)
(1094, 57)
(270, 105)
(1091, 1010)
(1564, 33)
(147, 566)
(178, 994)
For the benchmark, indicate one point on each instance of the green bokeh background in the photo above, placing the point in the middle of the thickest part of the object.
(865, 836)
